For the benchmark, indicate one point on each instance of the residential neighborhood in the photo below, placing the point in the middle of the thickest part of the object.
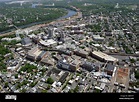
(98, 53)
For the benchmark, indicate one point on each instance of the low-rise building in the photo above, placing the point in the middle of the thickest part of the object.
(103, 57)
(26, 41)
(109, 68)
(48, 61)
(41, 55)
(63, 64)
(81, 52)
(64, 51)
(48, 43)
(89, 66)
(71, 64)
(98, 38)
(74, 65)
(33, 53)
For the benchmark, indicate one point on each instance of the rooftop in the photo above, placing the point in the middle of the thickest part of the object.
(104, 56)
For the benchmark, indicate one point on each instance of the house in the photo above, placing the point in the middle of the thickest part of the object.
(77, 32)
(98, 38)
(108, 34)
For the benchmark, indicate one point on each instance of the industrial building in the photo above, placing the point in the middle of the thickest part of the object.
(103, 57)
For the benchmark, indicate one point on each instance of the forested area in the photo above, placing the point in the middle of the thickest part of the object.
(15, 15)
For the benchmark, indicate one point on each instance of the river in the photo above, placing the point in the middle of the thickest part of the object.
(69, 14)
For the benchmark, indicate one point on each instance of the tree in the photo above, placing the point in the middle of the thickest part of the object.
(132, 60)
(53, 53)
(48, 87)
(28, 67)
(23, 90)
(50, 80)
(76, 89)
(33, 84)
(137, 74)
(44, 91)
(18, 86)
(71, 91)
(97, 91)
(6, 84)
(16, 76)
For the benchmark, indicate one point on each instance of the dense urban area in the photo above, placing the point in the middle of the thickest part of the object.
(94, 50)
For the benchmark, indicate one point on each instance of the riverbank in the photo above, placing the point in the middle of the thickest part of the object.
(71, 14)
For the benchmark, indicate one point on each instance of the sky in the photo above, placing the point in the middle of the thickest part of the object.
(5, 0)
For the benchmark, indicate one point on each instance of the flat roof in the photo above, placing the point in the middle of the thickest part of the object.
(37, 53)
(104, 56)
(48, 42)
(97, 37)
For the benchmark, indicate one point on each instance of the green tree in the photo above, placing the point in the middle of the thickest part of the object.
(50, 80)
(137, 74)
(16, 76)
(6, 84)
(44, 91)
(76, 89)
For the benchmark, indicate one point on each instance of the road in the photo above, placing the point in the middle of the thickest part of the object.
(113, 79)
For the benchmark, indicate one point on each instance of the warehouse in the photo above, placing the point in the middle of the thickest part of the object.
(103, 57)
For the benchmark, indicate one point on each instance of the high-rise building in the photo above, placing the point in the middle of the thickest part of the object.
(50, 33)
